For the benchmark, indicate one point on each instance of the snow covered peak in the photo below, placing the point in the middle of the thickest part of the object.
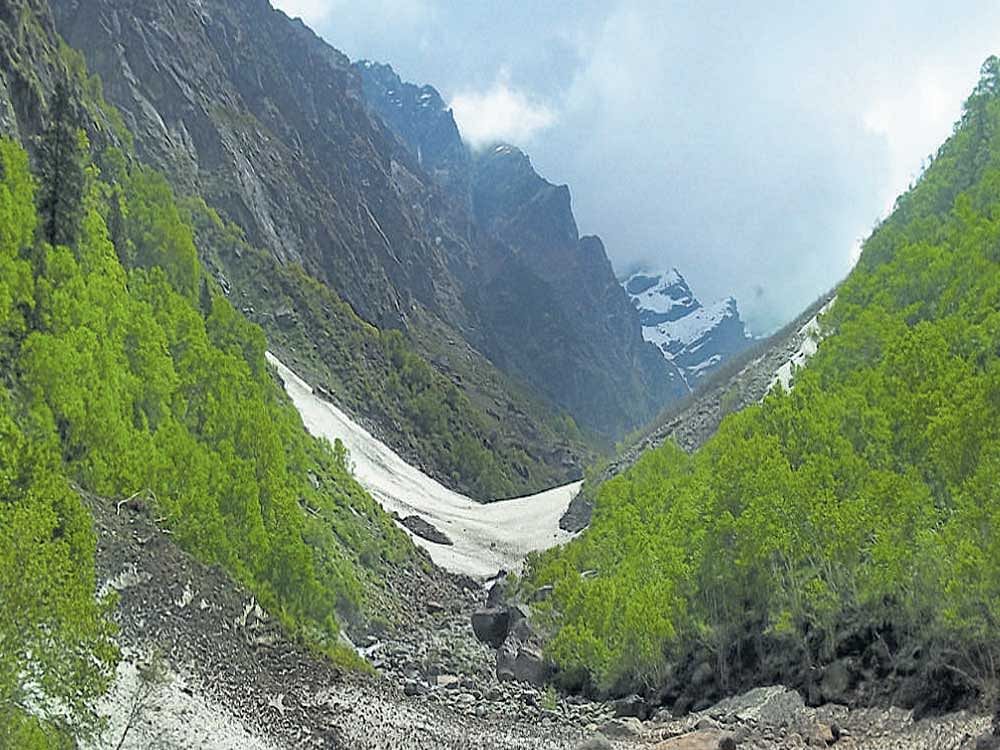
(695, 337)
(661, 298)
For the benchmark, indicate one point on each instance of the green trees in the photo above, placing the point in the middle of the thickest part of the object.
(56, 651)
(866, 495)
(143, 379)
(62, 159)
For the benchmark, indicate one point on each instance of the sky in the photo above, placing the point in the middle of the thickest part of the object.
(752, 145)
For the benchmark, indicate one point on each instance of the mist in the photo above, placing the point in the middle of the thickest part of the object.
(751, 147)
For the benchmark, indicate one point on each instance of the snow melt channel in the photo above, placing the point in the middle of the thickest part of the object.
(485, 538)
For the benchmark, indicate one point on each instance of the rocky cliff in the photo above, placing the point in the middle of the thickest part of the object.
(697, 338)
(276, 130)
(553, 309)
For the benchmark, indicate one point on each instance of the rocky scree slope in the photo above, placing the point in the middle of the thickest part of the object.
(225, 659)
(218, 651)
(252, 112)
(553, 310)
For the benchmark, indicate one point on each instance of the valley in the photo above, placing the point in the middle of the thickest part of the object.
(325, 423)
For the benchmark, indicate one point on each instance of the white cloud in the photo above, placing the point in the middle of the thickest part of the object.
(402, 14)
(310, 11)
(915, 118)
(500, 114)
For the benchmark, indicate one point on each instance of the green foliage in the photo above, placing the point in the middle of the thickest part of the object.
(144, 379)
(867, 494)
(56, 652)
(62, 158)
(378, 374)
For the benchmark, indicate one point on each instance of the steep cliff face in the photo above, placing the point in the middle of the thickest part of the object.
(33, 60)
(264, 119)
(382, 202)
(250, 111)
(553, 309)
(420, 117)
(617, 374)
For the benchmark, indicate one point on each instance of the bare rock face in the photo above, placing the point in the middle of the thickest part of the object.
(552, 298)
(277, 130)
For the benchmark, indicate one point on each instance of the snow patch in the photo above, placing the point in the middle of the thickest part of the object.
(485, 537)
(811, 334)
(166, 712)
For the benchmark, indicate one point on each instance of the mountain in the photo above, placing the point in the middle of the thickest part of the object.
(695, 338)
(263, 129)
(365, 183)
(840, 537)
(419, 116)
(549, 296)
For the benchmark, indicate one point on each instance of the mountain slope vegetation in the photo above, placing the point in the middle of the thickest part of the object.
(239, 105)
(846, 529)
(126, 373)
(255, 116)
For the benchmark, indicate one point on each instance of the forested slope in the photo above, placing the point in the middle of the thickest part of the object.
(841, 538)
(125, 372)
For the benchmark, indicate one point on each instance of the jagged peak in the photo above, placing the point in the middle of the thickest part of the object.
(394, 87)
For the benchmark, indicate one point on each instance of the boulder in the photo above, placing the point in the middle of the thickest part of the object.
(529, 666)
(774, 706)
(632, 705)
(626, 728)
(491, 625)
(506, 656)
(412, 688)
(425, 530)
(838, 679)
(494, 597)
(521, 629)
(597, 742)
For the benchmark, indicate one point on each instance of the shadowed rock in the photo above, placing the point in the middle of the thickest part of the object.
(425, 530)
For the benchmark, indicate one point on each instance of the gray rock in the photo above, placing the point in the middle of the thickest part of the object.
(413, 688)
(769, 706)
(633, 705)
(837, 682)
(495, 596)
(506, 656)
(491, 625)
(597, 742)
(425, 530)
(621, 728)
(529, 666)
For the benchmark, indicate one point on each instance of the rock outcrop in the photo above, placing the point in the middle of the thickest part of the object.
(553, 309)
(698, 339)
